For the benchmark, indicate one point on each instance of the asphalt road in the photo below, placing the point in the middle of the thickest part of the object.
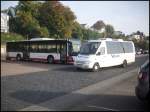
(117, 97)
(27, 83)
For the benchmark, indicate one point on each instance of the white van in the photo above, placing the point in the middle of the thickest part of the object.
(107, 52)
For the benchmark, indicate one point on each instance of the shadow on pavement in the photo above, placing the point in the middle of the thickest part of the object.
(35, 97)
(72, 68)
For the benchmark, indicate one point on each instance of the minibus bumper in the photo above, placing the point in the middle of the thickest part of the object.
(83, 66)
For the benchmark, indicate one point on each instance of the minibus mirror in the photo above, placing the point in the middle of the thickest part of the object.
(99, 53)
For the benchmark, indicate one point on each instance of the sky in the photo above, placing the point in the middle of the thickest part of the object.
(125, 16)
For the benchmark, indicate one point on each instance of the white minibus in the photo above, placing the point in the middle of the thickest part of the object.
(107, 52)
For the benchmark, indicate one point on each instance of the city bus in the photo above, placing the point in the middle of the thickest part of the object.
(46, 49)
(96, 54)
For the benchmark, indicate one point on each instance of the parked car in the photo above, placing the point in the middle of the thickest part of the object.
(138, 52)
(145, 52)
(142, 88)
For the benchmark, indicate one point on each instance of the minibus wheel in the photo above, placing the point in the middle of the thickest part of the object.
(124, 65)
(50, 59)
(96, 67)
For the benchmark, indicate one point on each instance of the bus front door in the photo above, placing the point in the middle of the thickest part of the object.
(26, 51)
(63, 54)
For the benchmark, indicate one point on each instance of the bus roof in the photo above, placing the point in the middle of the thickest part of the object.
(35, 39)
(46, 39)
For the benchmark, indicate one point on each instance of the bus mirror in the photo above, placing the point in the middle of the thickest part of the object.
(98, 54)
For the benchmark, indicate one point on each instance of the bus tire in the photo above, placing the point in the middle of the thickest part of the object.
(18, 57)
(96, 67)
(124, 64)
(50, 59)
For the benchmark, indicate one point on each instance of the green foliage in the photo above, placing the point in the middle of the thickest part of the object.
(48, 19)
(57, 18)
(121, 36)
(89, 34)
(85, 34)
(26, 22)
(43, 32)
(77, 31)
(142, 44)
(10, 37)
(109, 30)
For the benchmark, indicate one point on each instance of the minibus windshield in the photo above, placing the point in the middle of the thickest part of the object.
(89, 48)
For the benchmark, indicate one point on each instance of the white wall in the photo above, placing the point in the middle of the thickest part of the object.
(4, 22)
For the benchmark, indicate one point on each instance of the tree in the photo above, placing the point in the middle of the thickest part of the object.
(57, 18)
(77, 31)
(142, 44)
(98, 25)
(50, 19)
(121, 36)
(25, 22)
(90, 34)
(109, 30)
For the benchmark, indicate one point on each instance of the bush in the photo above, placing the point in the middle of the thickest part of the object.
(5, 37)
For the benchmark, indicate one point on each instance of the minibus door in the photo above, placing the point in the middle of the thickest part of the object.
(101, 57)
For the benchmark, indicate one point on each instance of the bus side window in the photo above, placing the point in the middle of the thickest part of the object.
(102, 50)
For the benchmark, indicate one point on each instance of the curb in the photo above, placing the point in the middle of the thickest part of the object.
(143, 55)
(65, 101)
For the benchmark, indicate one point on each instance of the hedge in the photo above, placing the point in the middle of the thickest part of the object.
(5, 37)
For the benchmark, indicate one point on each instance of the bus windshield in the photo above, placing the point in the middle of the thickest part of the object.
(73, 48)
(89, 48)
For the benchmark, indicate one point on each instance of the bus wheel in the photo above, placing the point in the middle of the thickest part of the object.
(96, 67)
(50, 59)
(124, 65)
(18, 57)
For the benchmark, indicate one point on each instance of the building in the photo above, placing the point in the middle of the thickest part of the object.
(119, 33)
(4, 22)
(84, 26)
(136, 36)
(99, 31)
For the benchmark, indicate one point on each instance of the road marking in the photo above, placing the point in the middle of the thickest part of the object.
(100, 107)
(36, 108)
